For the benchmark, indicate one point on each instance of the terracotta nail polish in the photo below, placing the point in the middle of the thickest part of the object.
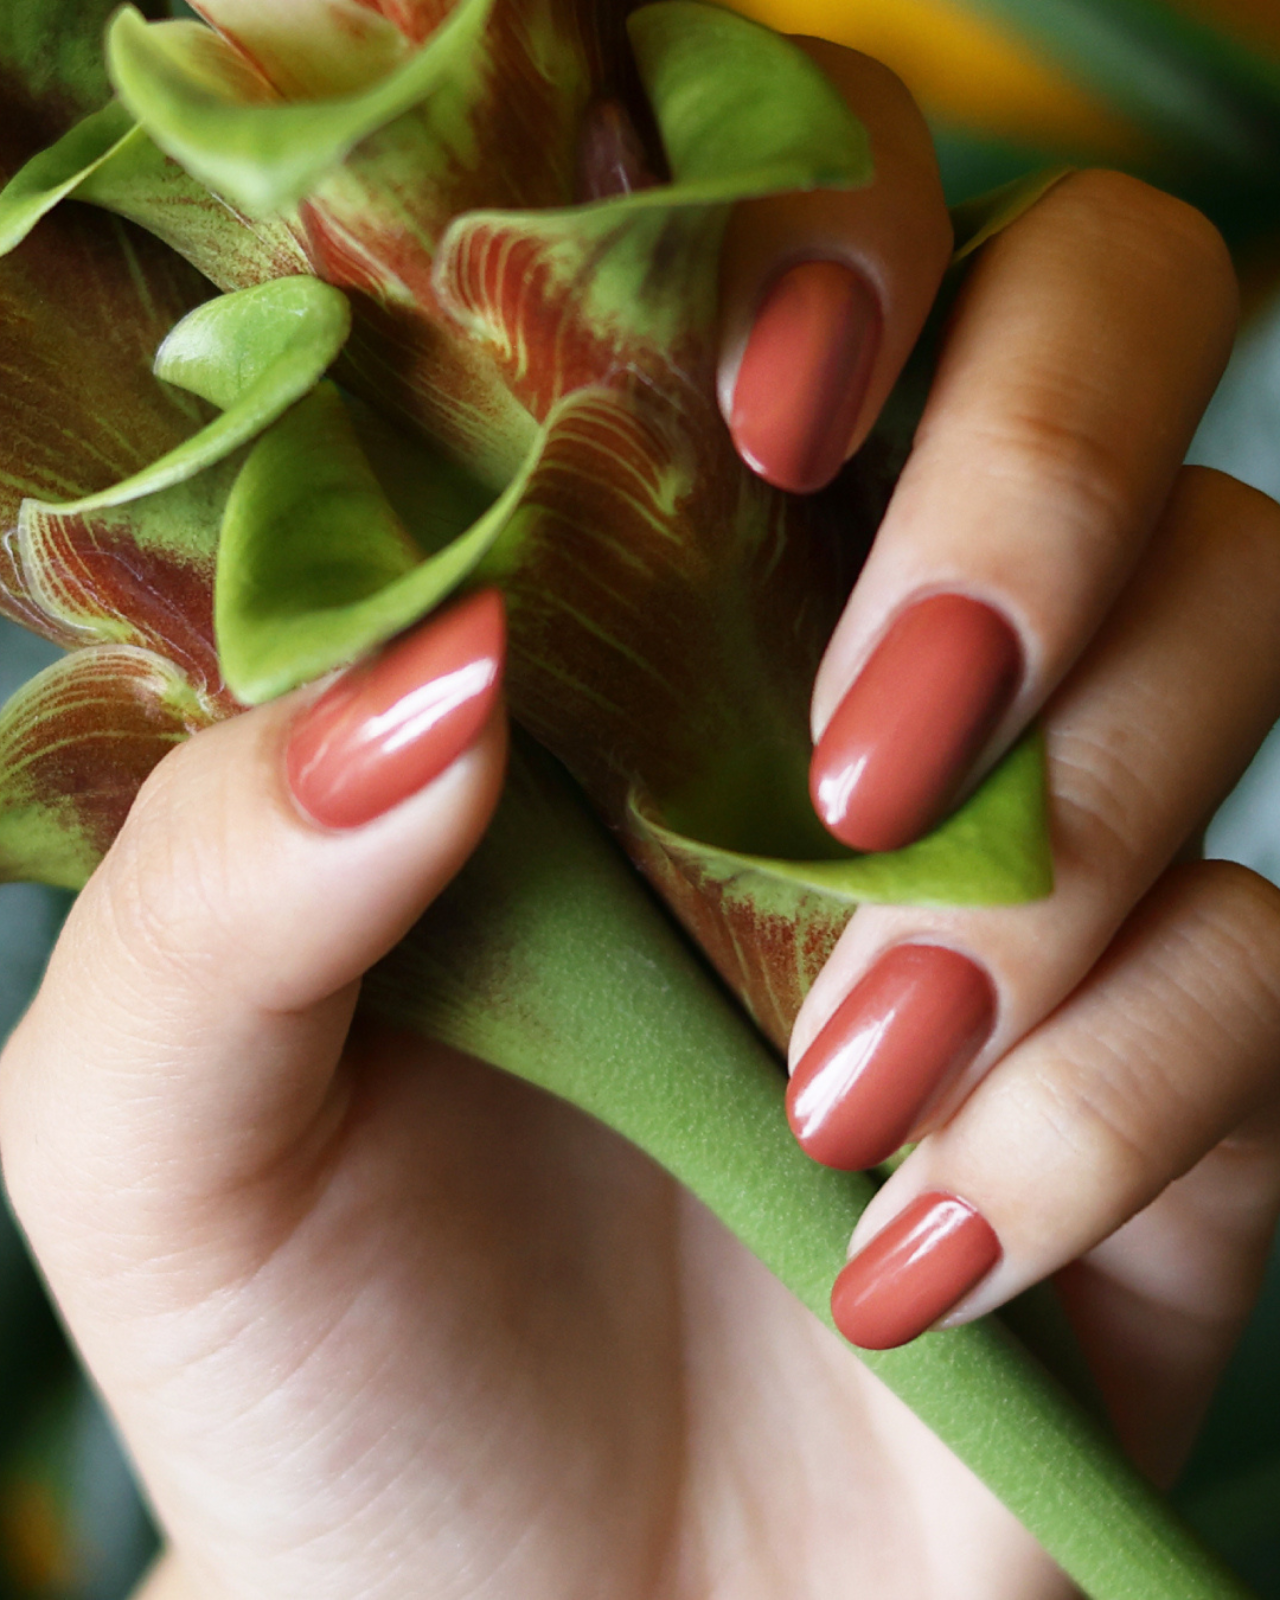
(913, 1272)
(904, 738)
(805, 373)
(906, 1030)
(390, 725)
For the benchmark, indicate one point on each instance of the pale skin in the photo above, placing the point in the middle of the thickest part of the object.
(377, 1321)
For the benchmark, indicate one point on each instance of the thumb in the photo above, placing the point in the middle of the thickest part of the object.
(186, 1040)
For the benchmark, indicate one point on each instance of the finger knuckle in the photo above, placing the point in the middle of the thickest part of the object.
(1103, 800)
(161, 893)
(1099, 1103)
(1234, 913)
(1237, 528)
(1045, 454)
(1154, 228)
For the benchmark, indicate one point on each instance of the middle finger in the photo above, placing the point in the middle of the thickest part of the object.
(1085, 345)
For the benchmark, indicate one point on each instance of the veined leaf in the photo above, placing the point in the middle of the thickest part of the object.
(197, 99)
(109, 161)
(310, 49)
(255, 353)
(991, 851)
(738, 105)
(140, 573)
(76, 744)
(742, 113)
(88, 284)
(768, 924)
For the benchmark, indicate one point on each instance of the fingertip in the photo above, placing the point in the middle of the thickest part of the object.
(802, 379)
(391, 725)
(921, 1264)
(823, 294)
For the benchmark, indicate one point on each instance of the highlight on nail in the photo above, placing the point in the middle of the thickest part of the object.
(391, 725)
(920, 1266)
(893, 1046)
(805, 373)
(904, 739)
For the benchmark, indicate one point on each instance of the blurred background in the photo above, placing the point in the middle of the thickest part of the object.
(1185, 93)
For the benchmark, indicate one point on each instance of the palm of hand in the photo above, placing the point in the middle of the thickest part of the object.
(462, 1340)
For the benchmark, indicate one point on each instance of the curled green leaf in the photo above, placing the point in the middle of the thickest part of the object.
(315, 567)
(76, 743)
(59, 171)
(742, 113)
(740, 110)
(199, 100)
(256, 353)
(993, 850)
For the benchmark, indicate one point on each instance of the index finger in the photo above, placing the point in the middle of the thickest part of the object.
(823, 295)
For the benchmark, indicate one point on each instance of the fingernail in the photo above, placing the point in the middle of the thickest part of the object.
(907, 733)
(901, 1035)
(392, 724)
(805, 373)
(913, 1272)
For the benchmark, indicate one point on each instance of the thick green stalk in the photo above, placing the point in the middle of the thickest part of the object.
(548, 958)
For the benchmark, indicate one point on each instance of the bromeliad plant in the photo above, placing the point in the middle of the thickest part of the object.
(496, 224)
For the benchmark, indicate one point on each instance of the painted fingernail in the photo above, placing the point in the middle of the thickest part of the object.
(914, 1271)
(805, 373)
(907, 733)
(392, 724)
(906, 1030)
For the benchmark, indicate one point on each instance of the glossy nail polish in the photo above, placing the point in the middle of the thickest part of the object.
(905, 1031)
(805, 373)
(913, 1272)
(389, 726)
(904, 738)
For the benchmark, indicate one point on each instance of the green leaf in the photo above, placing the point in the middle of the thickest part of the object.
(547, 957)
(310, 49)
(979, 219)
(200, 102)
(742, 113)
(740, 109)
(87, 284)
(108, 160)
(315, 567)
(768, 923)
(994, 850)
(59, 171)
(256, 353)
(139, 573)
(76, 744)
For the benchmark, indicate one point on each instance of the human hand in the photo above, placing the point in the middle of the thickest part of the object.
(376, 1319)
(1092, 1078)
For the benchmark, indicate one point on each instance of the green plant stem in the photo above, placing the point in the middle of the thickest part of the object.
(548, 958)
